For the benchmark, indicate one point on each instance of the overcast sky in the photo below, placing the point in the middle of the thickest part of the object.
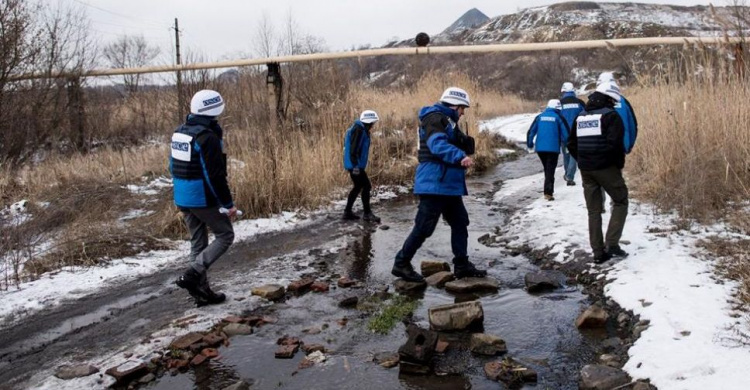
(225, 29)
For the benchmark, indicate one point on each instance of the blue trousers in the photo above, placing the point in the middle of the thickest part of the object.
(570, 165)
(431, 207)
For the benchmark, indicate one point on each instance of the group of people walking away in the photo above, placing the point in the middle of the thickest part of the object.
(593, 137)
(596, 136)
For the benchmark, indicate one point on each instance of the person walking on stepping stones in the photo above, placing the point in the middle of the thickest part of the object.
(440, 182)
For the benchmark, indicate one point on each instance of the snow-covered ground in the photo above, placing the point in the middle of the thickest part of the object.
(75, 282)
(513, 127)
(691, 341)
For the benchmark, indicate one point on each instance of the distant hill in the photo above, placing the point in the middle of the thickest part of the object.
(471, 19)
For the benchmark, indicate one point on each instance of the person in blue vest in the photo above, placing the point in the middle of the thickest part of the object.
(626, 112)
(596, 143)
(571, 107)
(440, 182)
(356, 154)
(550, 130)
(199, 173)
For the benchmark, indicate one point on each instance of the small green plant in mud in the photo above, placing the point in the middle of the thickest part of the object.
(389, 315)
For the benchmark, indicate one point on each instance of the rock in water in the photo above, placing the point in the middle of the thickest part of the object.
(271, 292)
(455, 317)
(543, 281)
(67, 372)
(420, 347)
(593, 317)
(468, 285)
(403, 286)
(432, 267)
(599, 377)
(439, 279)
(486, 344)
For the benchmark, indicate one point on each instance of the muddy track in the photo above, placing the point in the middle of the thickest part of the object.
(105, 321)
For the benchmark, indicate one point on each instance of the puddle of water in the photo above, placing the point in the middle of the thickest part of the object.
(538, 329)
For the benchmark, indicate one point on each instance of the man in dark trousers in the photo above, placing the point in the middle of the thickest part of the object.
(550, 131)
(440, 182)
(571, 107)
(201, 191)
(596, 142)
(356, 154)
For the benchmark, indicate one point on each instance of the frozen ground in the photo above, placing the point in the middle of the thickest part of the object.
(692, 341)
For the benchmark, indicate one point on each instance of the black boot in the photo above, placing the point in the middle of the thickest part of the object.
(370, 217)
(350, 216)
(463, 268)
(601, 257)
(407, 273)
(191, 281)
(617, 252)
(212, 298)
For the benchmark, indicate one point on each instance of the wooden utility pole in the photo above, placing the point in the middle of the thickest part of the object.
(76, 113)
(180, 96)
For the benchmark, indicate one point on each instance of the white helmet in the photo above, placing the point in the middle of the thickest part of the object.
(456, 97)
(610, 89)
(207, 102)
(369, 116)
(554, 103)
(606, 77)
(568, 87)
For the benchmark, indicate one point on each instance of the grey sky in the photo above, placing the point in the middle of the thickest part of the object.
(224, 29)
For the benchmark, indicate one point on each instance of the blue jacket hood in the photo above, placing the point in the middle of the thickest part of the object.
(438, 107)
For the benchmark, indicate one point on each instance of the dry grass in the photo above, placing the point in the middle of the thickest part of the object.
(298, 166)
(693, 151)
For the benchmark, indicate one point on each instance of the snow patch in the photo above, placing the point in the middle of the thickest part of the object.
(513, 128)
(689, 344)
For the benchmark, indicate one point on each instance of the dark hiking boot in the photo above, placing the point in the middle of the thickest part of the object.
(602, 257)
(549, 197)
(350, 216)
(617, 252)
(570, 183)
(212, 298)
(467, 270)
(191, 281)
(370, 217)
(407, 273)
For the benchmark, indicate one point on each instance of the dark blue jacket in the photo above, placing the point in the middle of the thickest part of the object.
(550, 130)
(356, 146)
(198, 164)
(571, 107)
(439, 171)
(630, 123)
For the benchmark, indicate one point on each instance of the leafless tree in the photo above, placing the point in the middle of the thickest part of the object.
(265, 40)
(130, 52)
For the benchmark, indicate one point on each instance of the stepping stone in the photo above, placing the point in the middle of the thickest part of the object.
(456, 317)
(440, 279)
(510, 372)
(467, 285)
(403, 286)
(432, 267)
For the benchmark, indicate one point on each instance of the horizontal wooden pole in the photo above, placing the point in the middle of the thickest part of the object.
(494, 48)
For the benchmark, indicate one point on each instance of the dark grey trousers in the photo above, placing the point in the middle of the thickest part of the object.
(611, 181)
(199, 221)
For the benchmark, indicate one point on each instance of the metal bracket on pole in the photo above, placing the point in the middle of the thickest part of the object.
(275, 84)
